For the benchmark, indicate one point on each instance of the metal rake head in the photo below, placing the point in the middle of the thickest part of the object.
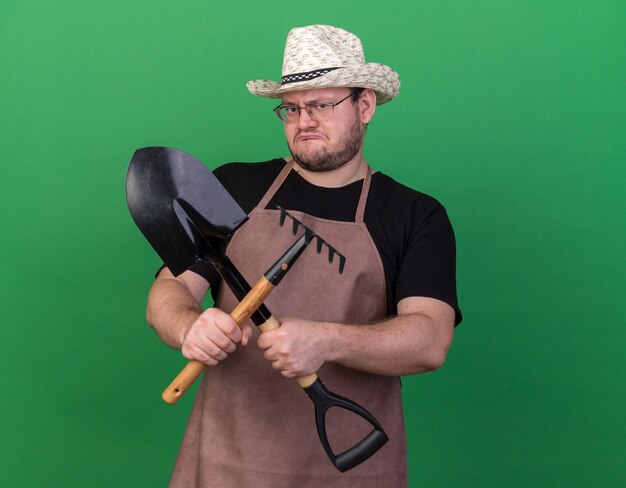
(309, 235)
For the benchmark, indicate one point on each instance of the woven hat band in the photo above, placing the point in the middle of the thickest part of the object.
(309, 75)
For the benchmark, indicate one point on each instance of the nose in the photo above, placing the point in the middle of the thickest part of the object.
(305, 120)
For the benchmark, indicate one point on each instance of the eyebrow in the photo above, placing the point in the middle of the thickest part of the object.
(316, 100)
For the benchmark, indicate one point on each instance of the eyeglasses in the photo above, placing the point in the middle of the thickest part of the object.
(317, 111)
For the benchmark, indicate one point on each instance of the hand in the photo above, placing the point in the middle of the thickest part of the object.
(213, 336)
(297, 348)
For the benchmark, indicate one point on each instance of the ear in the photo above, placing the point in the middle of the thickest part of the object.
(367, 105)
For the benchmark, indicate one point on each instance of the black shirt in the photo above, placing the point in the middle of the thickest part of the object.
(411, 230)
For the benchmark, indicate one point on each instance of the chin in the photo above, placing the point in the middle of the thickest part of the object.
(318, 165)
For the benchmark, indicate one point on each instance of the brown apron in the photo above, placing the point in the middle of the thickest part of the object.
(250, 426)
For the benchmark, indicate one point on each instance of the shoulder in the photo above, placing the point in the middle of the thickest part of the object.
(416, 240)
(400, 203)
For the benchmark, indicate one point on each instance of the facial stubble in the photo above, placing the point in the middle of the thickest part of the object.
(325, 160)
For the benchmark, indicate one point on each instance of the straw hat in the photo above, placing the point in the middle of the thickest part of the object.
(323, 56)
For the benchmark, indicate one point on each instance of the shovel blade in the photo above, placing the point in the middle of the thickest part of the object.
(157, 181)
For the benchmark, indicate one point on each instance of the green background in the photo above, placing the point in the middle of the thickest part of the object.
(511, 113)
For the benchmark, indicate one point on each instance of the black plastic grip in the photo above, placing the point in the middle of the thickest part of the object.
(323, 399)
(362, 451)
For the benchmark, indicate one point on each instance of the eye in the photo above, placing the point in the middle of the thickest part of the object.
(289, 109)
(322, 106)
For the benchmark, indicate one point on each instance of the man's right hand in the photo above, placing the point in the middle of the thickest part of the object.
(213, 336)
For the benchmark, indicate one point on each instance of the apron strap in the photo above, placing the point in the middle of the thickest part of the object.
(360, 209)
(275, 186)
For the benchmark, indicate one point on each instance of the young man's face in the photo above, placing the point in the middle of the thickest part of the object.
(330, 141)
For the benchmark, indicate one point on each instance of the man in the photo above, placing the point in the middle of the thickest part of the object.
(391, 313)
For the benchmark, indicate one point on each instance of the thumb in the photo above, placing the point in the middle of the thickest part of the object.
(246, 333)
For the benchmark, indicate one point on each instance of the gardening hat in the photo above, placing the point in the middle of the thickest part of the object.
(323, 56)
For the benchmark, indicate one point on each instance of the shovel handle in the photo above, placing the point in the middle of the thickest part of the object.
(240, 314)
(323, 400)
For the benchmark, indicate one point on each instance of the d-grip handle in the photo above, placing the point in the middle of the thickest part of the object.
(323, 399)
(240, 314)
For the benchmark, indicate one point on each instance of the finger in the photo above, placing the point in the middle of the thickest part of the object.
(208, 338)
(266, 340)
(229, 327)
(277, 365)
(204, 348)
(215, 318)
(215, 352)
(246, 334)
(270, 355)
(197, 354)
(220, 340)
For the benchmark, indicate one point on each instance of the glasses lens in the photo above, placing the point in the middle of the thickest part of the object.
(280, 112)
(320, 111)
(287, 113)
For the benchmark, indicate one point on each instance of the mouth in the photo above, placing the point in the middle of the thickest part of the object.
(308, 136)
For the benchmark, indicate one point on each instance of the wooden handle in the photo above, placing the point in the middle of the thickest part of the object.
(183, 381)
(303, 381)
(253, 300)
(240, 314)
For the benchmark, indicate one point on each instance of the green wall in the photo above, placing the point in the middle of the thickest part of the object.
(511, 113)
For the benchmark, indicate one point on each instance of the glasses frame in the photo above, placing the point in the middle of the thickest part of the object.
(308, 108)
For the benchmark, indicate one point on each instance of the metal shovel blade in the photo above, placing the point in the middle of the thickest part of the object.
(158, 180)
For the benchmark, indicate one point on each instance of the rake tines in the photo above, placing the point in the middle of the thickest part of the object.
(309, 235)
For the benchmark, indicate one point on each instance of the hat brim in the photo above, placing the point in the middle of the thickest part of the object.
(382, 79)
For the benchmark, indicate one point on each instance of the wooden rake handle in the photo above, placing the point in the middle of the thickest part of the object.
(242, 312)
(247, 306)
